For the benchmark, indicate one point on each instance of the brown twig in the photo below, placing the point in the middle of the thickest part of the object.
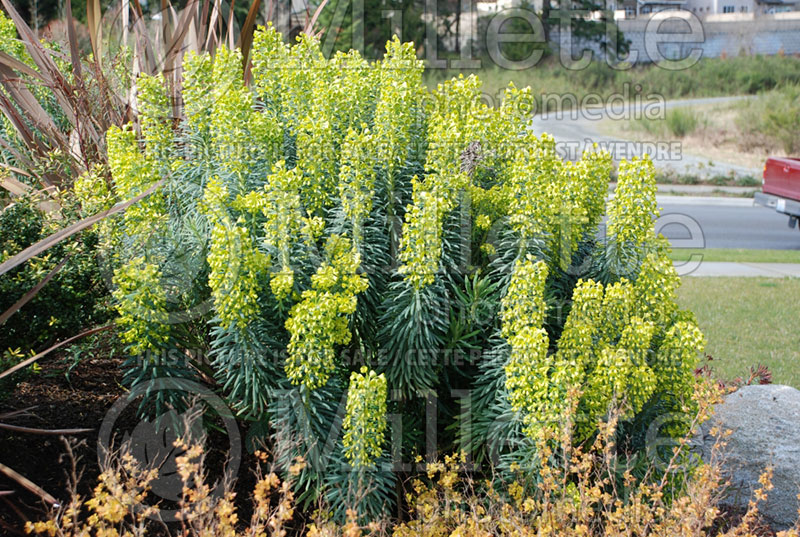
(32, 359)
(28, 484)
(33, 430)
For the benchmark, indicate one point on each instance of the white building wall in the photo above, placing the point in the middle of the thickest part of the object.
(704, 8)
(728, 35)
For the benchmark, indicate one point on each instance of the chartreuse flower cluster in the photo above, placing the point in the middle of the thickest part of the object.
(344, 215)
(197, 94)
(524, 305)
(420, 249)
(676, 358)
(155, 117)
(270, 69)
(528, 366)
(365, 421)
(621, 343)
(142, 306)
(232, 111)
(319, 322)
(615, 342)
(459, 123)
(580, 189)
(575, 353)
(236, 268)
(397, 111)
(621, 374)
(553, 201)
(352, 91)
(533, 188)
(357, 178)
(632, 209)
(317, 158)
(284, 224)
(133, 174)
(235, 263)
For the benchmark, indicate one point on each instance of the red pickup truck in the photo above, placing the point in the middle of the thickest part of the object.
(781, 187)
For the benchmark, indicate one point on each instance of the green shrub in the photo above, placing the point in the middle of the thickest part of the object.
(72, 300)
(773, 119)
(338, 216)
(682, 122)
(678, 122)
(782, 122)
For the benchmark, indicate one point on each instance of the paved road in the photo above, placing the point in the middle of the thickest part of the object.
(724, 223)
(576, 130)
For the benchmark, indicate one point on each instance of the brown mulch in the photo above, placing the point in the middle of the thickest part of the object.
(59, 398)
(56, 401)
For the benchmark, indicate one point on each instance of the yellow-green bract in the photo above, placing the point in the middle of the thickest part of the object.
(142, 306)
(365, 420)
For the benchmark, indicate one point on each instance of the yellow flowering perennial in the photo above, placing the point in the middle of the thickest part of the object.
(524, 303)
(236, 265)
(231, 111)
(284, 223)
(655, 289)
(533, 188)
(365, 420)
(458, 120)
(134, 174)
(342, 214)
(396, 110)
(528, 367)
(632, 209)
(269, 58)
(197, 94)
(155, 116)
(420, 247)
(603, 351)
(357, 178)
(141, 306)
(676, 359)
(319, 321)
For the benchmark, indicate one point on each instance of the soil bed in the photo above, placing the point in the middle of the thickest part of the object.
(78, 398)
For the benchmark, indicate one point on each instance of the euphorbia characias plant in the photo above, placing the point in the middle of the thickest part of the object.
(353, 250)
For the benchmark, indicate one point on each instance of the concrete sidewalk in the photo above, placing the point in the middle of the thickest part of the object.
(712, 192)
(717, 201)
(743, 192)
(717, 268)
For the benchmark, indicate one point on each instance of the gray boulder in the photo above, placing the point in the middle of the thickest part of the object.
(765, 425)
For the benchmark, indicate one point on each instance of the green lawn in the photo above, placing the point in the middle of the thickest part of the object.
(738, 255)
(748, 321)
